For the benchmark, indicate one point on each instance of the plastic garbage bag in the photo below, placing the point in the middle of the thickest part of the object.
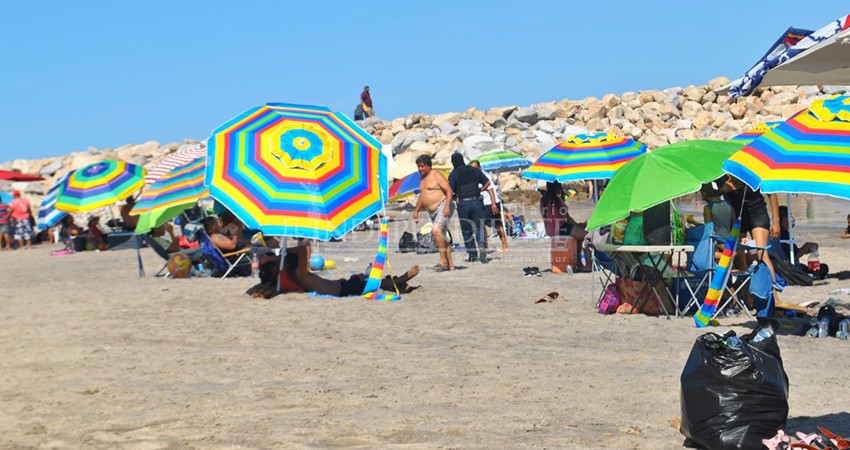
(734, 391)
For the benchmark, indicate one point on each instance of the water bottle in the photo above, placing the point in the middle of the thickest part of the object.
(813, 329)
(569, 269)
(763, 334)
(255, 265)
(843, 329)
(733, 342)
(823, 328)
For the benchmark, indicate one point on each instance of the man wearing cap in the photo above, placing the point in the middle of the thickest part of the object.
(468, 183)
(21, 215)
(366, 102)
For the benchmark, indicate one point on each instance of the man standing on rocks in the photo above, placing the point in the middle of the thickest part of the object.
(21, 215)
(468, 183)
(435, 196)
(366, 102)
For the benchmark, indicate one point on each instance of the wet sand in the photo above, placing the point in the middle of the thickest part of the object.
(95, 357)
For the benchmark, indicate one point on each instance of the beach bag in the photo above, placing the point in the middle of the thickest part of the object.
(425, 243)
(407, 244)
(732, 398)
(610, 300)
(791, 274)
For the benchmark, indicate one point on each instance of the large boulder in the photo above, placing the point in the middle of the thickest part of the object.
(526, 115)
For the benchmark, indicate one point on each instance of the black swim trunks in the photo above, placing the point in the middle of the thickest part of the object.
(352, 286)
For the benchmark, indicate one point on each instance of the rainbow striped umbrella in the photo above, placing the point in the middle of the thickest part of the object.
(100, 184)
(753, 134)
(295, 170)
(808, 153)
(180, 158)
(502, 161)
(585, 157)
(172, 194)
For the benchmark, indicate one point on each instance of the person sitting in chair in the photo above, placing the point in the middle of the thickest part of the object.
(785, 236)
(95, 238)
(225, 243)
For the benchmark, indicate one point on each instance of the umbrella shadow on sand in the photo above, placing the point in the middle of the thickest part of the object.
(838, 423)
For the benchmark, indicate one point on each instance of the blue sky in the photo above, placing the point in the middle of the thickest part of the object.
(108, 73)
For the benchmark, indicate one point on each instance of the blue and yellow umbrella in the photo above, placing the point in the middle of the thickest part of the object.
(808, 153)
(585, 157)
(296, 170)
(173, 193)
(100, 184)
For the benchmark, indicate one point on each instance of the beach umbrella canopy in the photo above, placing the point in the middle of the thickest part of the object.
(171, 194)
(585, 157)
(660, 175)
(502, 161)
(179, 158)
(405, 186)
(99, 184)
(752, 134)
(48, 215)
(296, 170)
(801, 57)
(808, 153)
(11, 175)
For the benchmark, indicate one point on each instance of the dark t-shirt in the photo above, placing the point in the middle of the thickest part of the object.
(465, 182)
(753, 201)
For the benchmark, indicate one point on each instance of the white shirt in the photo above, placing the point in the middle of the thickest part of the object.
(486, 194)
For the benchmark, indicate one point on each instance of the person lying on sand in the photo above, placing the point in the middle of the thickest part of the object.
(299, 278)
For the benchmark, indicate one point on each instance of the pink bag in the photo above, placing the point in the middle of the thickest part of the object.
(610, 300)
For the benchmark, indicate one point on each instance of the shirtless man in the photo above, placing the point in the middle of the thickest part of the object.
(435, 196)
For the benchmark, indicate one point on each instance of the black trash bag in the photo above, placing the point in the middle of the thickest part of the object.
(733, 398)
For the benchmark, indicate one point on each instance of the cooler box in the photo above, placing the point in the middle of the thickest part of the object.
(563, 253)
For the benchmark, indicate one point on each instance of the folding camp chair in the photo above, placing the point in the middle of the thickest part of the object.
(220, 260)
(145, 239)
(604, 271)
(699, 269)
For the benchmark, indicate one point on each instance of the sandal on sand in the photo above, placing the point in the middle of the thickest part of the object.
(548, 298)
(779, 442)
(840, 442)
(438, 268)
(810, 442)
(533, 271)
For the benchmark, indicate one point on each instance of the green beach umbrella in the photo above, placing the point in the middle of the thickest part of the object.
(661, 175)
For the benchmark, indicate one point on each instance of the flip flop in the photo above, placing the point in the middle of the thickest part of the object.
(548, 298)
(779, 442)
(840, 442)
(810, 441)
(438, 268)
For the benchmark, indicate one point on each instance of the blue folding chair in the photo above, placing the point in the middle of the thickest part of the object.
(700, 267)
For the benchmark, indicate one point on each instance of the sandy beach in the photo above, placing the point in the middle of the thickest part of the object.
(95, 357)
